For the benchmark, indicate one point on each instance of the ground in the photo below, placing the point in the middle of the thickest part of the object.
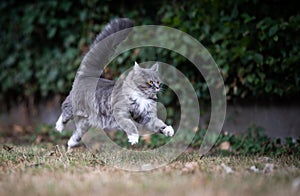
(47, 169)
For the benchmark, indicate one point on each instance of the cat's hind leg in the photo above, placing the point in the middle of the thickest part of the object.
(59, 124)
(66, 114)
(82, 126)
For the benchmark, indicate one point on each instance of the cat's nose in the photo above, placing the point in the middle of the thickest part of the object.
(157, 89)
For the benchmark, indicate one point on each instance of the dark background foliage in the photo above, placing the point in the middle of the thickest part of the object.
(255, 43)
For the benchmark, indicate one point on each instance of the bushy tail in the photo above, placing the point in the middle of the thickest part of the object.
(92, 65)
(103, 48)
(114, 26)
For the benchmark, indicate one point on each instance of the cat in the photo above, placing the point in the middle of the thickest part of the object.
(116, 105)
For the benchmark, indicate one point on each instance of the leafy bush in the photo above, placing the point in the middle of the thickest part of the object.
(255, 141)
(255, 43)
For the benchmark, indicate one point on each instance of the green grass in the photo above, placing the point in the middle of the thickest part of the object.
(46, 169)
(36, 162)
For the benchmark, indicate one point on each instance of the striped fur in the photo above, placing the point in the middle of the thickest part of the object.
(113, 104)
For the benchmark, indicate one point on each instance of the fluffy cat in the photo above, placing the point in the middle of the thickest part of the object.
(116, 105)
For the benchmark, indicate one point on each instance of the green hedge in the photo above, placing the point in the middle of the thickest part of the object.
(255, 43)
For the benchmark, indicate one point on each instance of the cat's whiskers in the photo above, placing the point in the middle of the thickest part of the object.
(163, 89)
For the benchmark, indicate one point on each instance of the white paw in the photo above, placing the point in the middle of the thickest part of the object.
(59, 124)
(133, 138)
(168, 131)
(72, 143)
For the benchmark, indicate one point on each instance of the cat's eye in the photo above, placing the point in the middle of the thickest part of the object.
(150, 82)
(158, 82)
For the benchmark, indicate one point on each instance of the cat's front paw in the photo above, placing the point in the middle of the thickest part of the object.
(168, 131)
(133, 139)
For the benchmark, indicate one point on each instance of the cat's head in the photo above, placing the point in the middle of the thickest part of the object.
(146, 80)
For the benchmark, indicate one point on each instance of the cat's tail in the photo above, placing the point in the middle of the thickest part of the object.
(104, 45)
(114, 26)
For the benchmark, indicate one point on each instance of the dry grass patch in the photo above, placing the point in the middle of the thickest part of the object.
(50, 170)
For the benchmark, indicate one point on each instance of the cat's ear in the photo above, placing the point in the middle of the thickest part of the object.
(136, 66)
(155, 67)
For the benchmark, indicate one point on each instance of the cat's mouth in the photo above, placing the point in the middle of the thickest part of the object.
(156, 90)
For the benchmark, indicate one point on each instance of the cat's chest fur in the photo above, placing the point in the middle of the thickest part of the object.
(141, 105)
(140, 108)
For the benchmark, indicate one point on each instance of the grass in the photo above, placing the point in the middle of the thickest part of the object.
(34, 161)
(48, 169)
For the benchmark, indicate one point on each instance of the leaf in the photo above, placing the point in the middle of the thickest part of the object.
(216, 37)
(10, 60)
(51, 32)
(248, 18)
(258, 58)
(273, 30)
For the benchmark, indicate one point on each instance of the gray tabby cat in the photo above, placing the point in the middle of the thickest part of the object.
(116, 105)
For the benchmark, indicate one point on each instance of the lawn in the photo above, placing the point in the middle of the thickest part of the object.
(48, 169)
